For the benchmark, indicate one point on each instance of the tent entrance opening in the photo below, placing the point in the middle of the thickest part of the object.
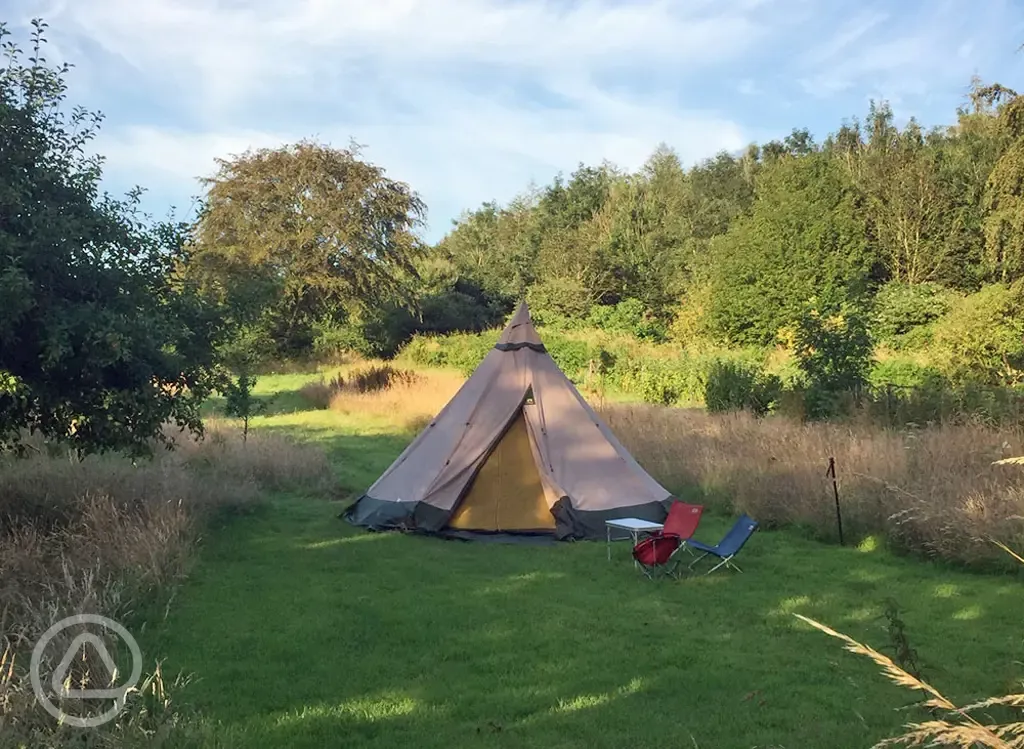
(507, 493)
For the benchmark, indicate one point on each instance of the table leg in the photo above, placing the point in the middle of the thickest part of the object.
(608, 532)
(636, 540)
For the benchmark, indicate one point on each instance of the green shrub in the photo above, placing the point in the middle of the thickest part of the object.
(333, 338)
(559, 301)
(900, 308)
(628, 317)
(461, 351)
(901, 373)
(655, 373)
(981, 340)
(661, 381)
(735, 386)
(833, 349)
(572, 357)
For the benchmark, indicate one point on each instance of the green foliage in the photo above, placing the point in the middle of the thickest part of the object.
(732, 249)
(833, 350)
(733, 386)
(802, 239)
(653, 373)
(296, 235)
(902, 373)
(559, 301)
(913, 187)
(660, 381)
(629, 317)
(900, 307)
(240, 402)
(461, 351)
(101, 340)
(981, 339)
(1004, 200)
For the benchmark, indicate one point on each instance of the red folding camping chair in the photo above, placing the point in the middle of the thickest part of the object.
(658, 551)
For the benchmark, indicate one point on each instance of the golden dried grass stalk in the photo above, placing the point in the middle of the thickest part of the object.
(964, 731)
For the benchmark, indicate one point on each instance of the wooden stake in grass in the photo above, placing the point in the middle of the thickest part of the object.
(831, 473)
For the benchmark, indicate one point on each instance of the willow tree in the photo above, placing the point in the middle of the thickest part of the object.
(305, 233)
(1004, 200)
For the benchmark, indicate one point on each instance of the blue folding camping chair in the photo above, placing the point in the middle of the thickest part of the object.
(729, 546)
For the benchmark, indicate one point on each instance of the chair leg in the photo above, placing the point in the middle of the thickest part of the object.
(727, 562)
(698, 559)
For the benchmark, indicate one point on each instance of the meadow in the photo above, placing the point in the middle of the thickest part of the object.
(742, 324)
(295, 629)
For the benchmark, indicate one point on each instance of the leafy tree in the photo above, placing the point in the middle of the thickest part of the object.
(630, 316)
(240, 401)
(496, 248)
(804, 238)
(307, 233)
(833, 350)
(101, 342)
(982, 337)
(648, 233)
(1004, 200)
(559, 300)
(900, 308)
(734, 386)
(722, 191)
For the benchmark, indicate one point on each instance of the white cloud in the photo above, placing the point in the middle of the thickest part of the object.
(470, 100)
(223, 54)
(443, 91)
(456, 157)
(914, 54)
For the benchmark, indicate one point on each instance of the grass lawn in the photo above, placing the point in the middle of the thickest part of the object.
(303, 631)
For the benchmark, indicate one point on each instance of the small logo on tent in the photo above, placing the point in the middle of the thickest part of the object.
(85, 674)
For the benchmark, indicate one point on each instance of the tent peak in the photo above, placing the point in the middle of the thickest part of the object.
(520, 331)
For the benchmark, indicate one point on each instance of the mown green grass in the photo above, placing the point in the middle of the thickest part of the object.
(303, 631)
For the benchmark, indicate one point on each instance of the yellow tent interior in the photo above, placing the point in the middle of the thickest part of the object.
(507, 494)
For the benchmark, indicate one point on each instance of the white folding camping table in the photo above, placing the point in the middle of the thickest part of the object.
(635, 526)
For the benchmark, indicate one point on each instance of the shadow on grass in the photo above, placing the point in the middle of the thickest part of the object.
(304, 631)
(272, 404)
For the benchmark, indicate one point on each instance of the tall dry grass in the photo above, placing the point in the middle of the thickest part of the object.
(955, 726)
(931, 490)
(410, 398)
(269, 460)
(413, 403)
(105, 536)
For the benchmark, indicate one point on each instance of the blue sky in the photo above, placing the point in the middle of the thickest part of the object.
(471, 100)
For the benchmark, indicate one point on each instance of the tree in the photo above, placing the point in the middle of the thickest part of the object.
(240, 401)
(981, 339)
(1004, 200)
(649, 232)
(833, 350)
(101, 343)
(303, 233)
(804, 238)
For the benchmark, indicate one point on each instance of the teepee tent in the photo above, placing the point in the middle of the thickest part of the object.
(516, 450)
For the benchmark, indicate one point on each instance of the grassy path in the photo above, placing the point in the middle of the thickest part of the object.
(305, 632)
